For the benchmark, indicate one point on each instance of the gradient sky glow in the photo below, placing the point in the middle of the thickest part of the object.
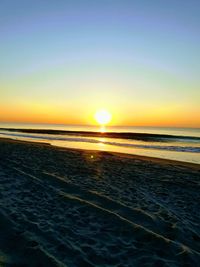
(61, 61)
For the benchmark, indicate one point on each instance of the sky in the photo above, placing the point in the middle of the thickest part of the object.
(61, 61)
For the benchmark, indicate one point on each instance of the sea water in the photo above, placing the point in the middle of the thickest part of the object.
(177, 148)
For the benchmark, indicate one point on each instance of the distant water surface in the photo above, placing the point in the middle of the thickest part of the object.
(183, 144)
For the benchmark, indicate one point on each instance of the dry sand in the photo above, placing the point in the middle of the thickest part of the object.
(62, 207)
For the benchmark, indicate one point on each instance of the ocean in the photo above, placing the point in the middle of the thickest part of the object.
(182, 144)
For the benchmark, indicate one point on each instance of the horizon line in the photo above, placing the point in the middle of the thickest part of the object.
(106, 126)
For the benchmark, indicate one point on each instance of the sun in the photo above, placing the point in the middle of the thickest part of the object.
(103, 117)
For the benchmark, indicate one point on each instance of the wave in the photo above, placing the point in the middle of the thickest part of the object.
(121, 135)
(177, 148)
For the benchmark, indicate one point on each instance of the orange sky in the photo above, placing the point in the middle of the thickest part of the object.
(163, 116)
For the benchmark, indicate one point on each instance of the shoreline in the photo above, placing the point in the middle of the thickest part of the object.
(194, 166)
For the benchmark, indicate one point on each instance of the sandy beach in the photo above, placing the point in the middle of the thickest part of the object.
(64, 207)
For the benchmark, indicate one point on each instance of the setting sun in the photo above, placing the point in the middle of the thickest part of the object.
(103, 117)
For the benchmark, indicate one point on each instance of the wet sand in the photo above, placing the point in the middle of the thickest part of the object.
(64, 207)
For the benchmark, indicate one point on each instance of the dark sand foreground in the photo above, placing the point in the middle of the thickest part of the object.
(62, 207)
